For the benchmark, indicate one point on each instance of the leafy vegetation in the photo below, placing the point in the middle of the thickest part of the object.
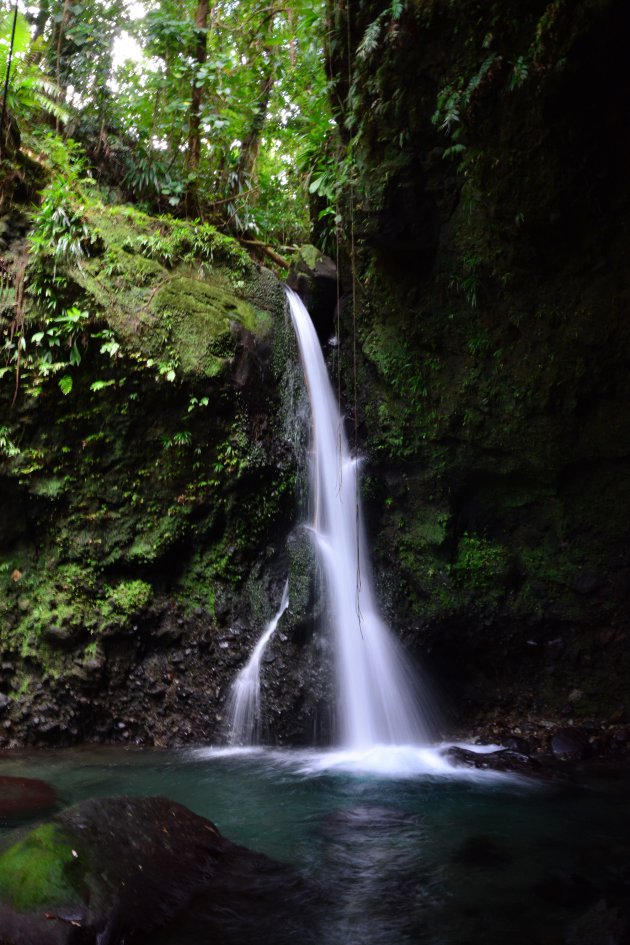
(214, 112)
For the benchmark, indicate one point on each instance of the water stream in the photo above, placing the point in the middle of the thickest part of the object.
(379, 702)
(244, 708)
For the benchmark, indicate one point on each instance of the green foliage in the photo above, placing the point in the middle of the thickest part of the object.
(468, 279)
(520, 73)
(236, 455)
(454, 101)
(259, 94)
(181, 438)
(125, 601)
(32, 95)
(65, 384)
(7, 446)
(245, 50)
(59, 229)
(386, 20)
(182, 241)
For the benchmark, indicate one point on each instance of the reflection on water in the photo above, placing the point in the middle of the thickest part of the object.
(402, 850)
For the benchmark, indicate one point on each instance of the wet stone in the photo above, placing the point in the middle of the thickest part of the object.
(502, 760)
(24, 796)
(112, 870)
(570, 744)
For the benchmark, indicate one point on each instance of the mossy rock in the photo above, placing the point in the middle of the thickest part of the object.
(121, 868)
(203, 318)
(35, 872)
(172, 291)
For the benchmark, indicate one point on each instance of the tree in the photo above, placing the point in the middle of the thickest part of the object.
(199, 55)
(221, 117)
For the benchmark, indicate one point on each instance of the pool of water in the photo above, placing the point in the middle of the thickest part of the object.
(408, 851)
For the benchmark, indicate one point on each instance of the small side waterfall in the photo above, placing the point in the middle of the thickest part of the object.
(378, 701)
(244, 704)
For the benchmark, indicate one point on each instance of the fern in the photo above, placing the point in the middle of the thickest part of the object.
(369, 43)
(65, 384)
(478, 78)
(520, 72)
(7, 446)
(29, 90)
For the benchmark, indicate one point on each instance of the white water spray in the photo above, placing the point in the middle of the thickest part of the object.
(378, 700)
(244, 704)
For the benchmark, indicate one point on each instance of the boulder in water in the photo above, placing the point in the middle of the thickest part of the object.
(23, 797)
(502, 760)
(127, 869)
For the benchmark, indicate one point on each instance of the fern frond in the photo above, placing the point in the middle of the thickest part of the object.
(370, 39)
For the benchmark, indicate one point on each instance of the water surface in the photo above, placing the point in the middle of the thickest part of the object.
(409, 852)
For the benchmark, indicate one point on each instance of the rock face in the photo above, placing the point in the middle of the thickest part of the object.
(144, 512)
(314, 277)
(142, 870)
(491, 232)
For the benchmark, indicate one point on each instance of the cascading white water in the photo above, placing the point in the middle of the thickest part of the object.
(244, 704)
(378, 701)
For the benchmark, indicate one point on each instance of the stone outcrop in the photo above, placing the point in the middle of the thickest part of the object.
(490, 219)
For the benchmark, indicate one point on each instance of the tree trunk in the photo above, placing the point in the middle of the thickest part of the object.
(251, 142)
(66, 16)
(194, 121)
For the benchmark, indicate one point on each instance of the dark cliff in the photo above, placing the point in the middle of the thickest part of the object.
(489, 223)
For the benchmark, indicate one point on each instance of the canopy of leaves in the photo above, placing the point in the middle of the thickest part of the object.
(220, 110)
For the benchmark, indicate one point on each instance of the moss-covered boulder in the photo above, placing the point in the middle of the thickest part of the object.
(125, 869)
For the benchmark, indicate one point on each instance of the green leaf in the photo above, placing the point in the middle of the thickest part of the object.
(65, 384)
(75, 355)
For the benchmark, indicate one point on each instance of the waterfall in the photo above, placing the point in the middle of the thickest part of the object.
(378, 701)
(244, 703)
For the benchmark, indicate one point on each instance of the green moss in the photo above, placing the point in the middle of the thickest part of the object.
(201, 316)
(156, 535)
(481, 564)
(132, 269)
(34, 871)
(169, 289)
(196, 588)
(425, 528)
(126, 600)
(308, 254)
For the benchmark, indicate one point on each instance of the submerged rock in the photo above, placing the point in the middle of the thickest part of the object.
(502, 760)
(119, 869)
(482, 852)
(20, 796)
(601, 925)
